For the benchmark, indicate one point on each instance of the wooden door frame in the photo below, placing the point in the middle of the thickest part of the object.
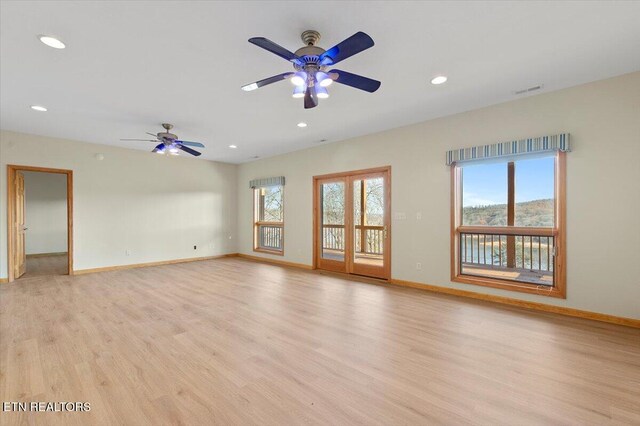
(11, 205)
(329, 265)
(316, 206)
(351, 264)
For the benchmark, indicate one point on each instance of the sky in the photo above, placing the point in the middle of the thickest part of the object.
(486, 184)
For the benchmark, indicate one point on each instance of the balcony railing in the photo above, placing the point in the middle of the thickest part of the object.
(369, 239)
(269, 236)
(518, 254)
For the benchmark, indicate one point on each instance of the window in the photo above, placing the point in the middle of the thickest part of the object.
(268, 233)
(508, 223)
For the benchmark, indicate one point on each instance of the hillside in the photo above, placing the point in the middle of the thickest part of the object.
(530, 213)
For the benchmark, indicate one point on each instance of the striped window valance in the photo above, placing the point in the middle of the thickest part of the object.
(558, 142)
(266, 182)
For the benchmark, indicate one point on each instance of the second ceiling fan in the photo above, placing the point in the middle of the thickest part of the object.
(311, 63)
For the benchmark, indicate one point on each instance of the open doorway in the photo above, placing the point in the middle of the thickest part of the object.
(39, 221)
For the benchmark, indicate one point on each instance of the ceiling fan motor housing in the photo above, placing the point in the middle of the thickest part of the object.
(310, 55)
(167, 136)
(164, 136)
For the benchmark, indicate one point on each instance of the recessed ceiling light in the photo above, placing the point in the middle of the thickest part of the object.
(38, 108)
(52, 42)
(302, 124)
(233, 146)
(439, 79)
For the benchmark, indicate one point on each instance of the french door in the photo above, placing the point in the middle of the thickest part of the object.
(352, 222)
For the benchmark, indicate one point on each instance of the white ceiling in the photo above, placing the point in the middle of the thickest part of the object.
(131, 65)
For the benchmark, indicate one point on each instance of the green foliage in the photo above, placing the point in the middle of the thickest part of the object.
(529, 213)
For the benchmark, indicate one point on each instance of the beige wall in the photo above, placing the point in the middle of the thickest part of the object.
(156, 207)
(603, 196)
(46, 212)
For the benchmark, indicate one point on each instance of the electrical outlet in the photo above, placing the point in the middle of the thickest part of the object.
(419, 266)
(195, 247)
(419, 216)
(127, 252)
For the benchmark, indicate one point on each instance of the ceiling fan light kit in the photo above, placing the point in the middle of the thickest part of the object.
(311, 64)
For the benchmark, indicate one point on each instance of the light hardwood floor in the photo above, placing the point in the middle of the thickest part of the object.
(46, 265)
(231, 341)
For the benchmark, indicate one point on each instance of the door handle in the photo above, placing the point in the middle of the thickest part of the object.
(24, 228)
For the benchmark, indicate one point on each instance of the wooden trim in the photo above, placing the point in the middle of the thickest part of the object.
(519, 286)
(558, 232)
(349, 233)
(456, 212)
(536, 306)
(11, 200)
(508, 230)
(267, 251)
(274, 261)
(60, 253)
(318, 261)
(314, 223)
(4, 280)
(257, 223)
(354, 172)
(147, 264)
(560, 240)
(347, 178)
(368, 270)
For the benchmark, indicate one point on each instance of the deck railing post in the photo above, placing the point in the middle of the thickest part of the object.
(511, 216)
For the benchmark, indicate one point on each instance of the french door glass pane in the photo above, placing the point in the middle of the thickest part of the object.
(333, 220)
(368, 221)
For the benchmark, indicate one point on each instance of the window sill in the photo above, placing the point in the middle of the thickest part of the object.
(510, 285)
(267, 251)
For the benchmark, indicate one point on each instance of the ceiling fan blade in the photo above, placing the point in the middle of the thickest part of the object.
(355, 80)
(347, 48)
(158, 148)
(152, 134)
(189, 150)
(142, 140)
(275, 48)
(188, 143)
(264, 82)
(310, 98)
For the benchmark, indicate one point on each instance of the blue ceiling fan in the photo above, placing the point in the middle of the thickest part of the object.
(169, 143)
(311, 64)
